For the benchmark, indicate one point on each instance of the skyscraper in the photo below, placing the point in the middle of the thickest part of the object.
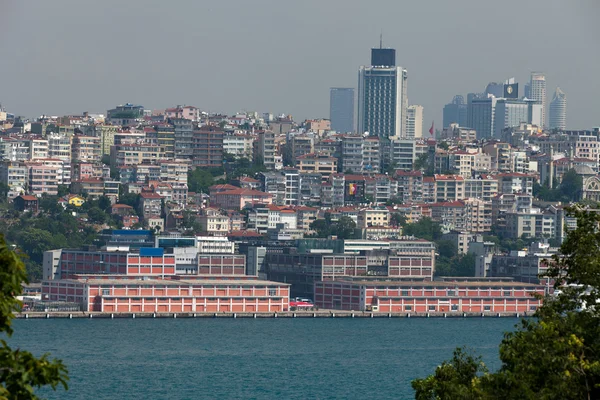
(511, 112)
(341, 109)
(414, 122)
(456, 112)
(558, 110)
(480, 114)
(382, 96)
(537, 92)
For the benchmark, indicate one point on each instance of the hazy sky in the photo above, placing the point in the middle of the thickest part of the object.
(69, 56)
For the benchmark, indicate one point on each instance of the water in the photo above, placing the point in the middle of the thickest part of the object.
(253, 358)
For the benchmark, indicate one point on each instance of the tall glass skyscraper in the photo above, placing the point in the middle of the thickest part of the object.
(341, 109)
(456, 112)
(558, 110)
(382, 96)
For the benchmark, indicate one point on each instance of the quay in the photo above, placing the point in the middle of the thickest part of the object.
(284, 314)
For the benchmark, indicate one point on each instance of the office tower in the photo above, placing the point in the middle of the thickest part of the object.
(495, 89)
(558, 110)
(382, 96)
(455, 112)
(480, 114)
(537, 92)
(341, 109)
(414, 122)
(509, 113)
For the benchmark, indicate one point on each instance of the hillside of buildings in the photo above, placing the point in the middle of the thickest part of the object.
(288, 197)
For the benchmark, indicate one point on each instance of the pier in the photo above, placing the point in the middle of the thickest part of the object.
(285, 314)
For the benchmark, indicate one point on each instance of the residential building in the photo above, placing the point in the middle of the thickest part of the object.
(352, 153)
(26, 203)
(207, 147)
(214, 221)
(264, 148)
(238, 199)
(184, 132)
(318, 163)
(449, 188)
(150, 204)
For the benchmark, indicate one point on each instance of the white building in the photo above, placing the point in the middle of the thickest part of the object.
(537, 92)
(382, 98)
(558, 110)
(414, 122)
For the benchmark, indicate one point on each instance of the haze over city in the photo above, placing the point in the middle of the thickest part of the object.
(65, 56)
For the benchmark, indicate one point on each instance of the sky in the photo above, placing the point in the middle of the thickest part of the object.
(68, 56)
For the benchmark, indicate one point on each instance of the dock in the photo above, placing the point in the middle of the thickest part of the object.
(285, 314)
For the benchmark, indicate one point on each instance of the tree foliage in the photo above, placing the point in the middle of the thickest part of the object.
(425, 228)
(570, 188)
(343, 228)
(20, 372)
(554, 356)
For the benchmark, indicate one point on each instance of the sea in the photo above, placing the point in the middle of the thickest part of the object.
(253, 358)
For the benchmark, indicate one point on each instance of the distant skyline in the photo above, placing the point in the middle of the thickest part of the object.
(67, 56)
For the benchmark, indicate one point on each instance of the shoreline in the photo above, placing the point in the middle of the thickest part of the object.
(284, 314)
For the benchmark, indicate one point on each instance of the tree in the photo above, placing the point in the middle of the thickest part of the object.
(343, 228)
(321, 227)
(63, 190)
(199, 180)
(554, 356)
(20, 372)
(398, 219)
(571, 186)
(96, 215)
(425, 228)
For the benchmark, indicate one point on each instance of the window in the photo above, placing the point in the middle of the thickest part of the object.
(405, 292)
(105, 292)
(532, 308)
(454, 307)
(506, 293)
(272, 292)
(487, 308)
(431, 308)
(451, 292)
(407, 308)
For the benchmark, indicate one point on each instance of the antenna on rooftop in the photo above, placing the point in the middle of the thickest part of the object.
(381, 40)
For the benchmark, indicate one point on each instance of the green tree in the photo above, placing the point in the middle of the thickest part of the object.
(63, 190)
(96, 215)
(554, 356)
(343, 228)
(425, 228)
(199, 180)
(321, 227)
(20, 372)
(398, 219)
(571, 186)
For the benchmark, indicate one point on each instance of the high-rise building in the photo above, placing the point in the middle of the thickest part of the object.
(510, 113)
(480, 115)
(537, 92)
(456, 112)
(558, 110)
(341, 109)
(414, 122)
(382, 96)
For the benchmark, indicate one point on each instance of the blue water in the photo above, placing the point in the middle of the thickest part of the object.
(253, 358)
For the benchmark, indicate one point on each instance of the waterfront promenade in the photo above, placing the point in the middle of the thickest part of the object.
(285, 314)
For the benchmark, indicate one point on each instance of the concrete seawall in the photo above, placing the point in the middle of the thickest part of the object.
(285, 314)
